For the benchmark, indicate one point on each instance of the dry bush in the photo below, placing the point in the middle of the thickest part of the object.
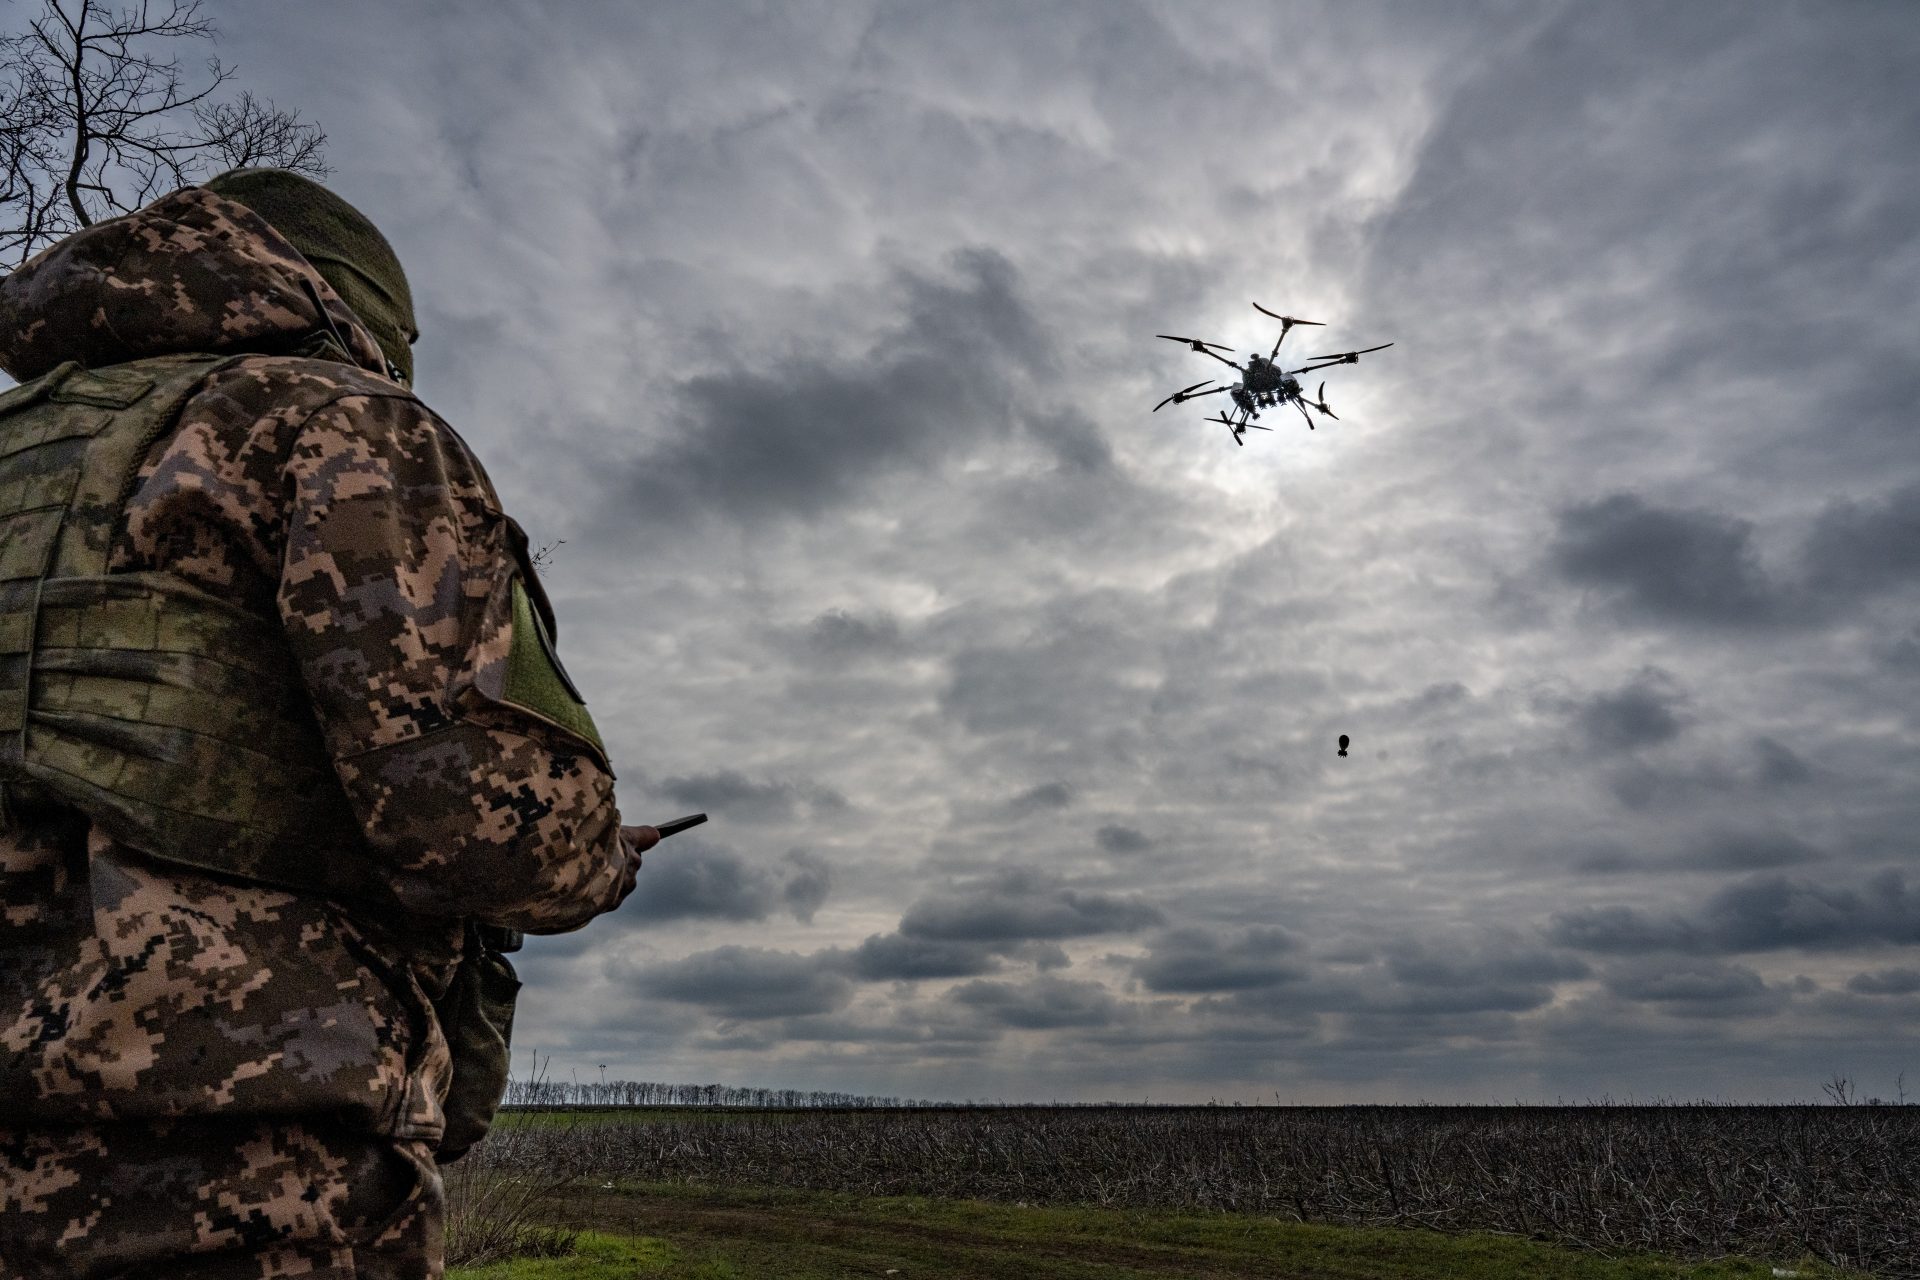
(495, 1191)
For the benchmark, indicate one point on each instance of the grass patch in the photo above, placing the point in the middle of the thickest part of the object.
(759, 1234)
(597, 1257)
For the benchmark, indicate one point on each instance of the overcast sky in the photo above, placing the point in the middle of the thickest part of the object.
(823, 335)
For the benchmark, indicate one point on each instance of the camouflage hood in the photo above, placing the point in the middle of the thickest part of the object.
(190, 272)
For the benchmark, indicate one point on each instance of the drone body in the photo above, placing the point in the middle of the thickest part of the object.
(1263, 383)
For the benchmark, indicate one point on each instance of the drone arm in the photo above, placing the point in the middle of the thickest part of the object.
(1186, 394)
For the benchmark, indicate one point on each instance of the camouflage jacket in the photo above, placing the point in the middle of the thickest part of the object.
(317, 491)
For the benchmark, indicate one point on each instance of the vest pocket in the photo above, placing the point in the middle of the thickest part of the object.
(476, 1016)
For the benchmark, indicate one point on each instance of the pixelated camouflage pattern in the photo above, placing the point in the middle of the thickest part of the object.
(216, 1199)
(317, 492)
(190, 272)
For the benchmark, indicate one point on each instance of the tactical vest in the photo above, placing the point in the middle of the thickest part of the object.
(176, 720)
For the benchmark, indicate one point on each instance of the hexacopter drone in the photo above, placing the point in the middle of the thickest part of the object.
(1263, 383)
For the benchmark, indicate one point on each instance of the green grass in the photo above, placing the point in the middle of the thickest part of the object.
(600, 1257)
(708, 1233)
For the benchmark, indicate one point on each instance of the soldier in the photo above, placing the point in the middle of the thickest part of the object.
(286, 757)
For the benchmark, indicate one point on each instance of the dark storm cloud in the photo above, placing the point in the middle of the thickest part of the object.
(887, 957)
(1044, 956)
(1695, 984)
(805, 435)
(1494, 959)
(697, 880)
(1048, 795)
(901, 957)
(1885, 982)
(1603, 860)
(1779, 766)
(807, 885)
(1777, 912)
(1200, 960)
(1761, 914)
(1677, 565)
(1643, 713)
(1553, 164)
(1861, 548)
(1903, 655)
(1472, 985)
(1043, 1004)
(1116, 838)
(737, 796)
(1495, 974)
(838, 637)
(700, 881)
(1073, 439)
(1022, 905)
(1620, 930)
(1439, 697)
(974, 928)
(1725, 850)
(747, 983)
(1749, 851)
(1654, 787)
(1063, 673)
(1769, 769)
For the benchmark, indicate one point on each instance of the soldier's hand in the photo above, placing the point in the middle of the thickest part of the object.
(635, 841)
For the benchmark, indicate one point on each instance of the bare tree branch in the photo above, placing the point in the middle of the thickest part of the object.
(94, 123)
(248, 131)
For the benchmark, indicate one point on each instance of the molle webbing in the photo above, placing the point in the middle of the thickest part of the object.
(172, 718)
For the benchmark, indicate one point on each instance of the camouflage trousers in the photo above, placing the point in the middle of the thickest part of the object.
(217, 1199)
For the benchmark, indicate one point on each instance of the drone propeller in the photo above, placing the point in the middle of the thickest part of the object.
(1350, 357)
(1323, 406)
(1287, 322)
(1202, 347)
(1303, 413)
(1195, 343)
(1236, 427)
(1185, 394)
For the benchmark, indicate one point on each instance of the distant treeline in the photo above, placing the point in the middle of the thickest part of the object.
(648, 1093)
(537, 1093)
